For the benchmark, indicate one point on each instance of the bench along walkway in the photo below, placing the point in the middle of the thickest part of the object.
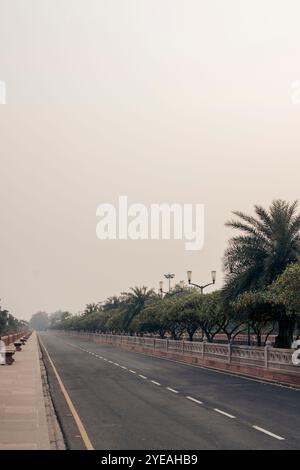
(22, 407)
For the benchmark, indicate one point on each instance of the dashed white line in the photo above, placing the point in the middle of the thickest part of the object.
(172, 390)
(269, 433)
(224, 413)
(195, 401)
(155, 383)
(258, 428)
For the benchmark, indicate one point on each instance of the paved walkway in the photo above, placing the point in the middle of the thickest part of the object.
(23, 422)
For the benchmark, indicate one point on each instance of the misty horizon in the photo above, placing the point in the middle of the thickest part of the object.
(158, 101)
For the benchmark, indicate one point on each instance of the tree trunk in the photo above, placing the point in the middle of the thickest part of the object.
(258, 338)
(228, 336)
(248, 334)
(286, 325)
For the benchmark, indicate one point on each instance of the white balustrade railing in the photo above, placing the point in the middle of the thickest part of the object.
(261, 357)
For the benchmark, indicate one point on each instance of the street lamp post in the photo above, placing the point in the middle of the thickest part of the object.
(161, 291)
(213, 277)
(169, 276)
(161, 285)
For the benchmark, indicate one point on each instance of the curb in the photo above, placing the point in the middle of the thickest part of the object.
(56, 438)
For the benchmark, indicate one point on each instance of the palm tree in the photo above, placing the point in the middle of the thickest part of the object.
(256, 257)
(91, 308)
(134, 302)
(112, 303)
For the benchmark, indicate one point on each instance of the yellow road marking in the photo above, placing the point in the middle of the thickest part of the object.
(78, 421)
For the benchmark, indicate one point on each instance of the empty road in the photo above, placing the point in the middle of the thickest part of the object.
(128, 401)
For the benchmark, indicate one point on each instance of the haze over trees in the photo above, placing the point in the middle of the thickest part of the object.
(41, 320)
(260, 295)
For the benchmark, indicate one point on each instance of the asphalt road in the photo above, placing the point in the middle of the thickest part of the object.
(130, 401)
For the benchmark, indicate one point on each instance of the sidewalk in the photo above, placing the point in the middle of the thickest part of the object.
(23, 422)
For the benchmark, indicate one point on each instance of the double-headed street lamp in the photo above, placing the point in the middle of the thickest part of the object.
(168, 276)
(213, 277)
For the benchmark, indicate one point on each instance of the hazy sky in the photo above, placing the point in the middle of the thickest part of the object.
(185, 101)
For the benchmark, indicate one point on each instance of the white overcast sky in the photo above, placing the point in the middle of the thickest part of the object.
(160, 100)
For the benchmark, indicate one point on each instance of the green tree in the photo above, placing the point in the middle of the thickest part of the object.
(188, 307)
(285, 292)
(267, 243)
(3, 320)
(172, 316)
(91, 308)
(133, 302)
(10, 324)
(211, 314)
(255, 309)
(115, 322)
(152, 319)
(58, 317)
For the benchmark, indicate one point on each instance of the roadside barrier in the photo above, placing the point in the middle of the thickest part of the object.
(266, 363)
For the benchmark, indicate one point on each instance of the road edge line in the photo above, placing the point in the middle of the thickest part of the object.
(75, 415)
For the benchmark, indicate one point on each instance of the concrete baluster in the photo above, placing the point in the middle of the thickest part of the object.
(266, 356)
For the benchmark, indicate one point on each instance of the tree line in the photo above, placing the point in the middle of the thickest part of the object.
(260, 293)
(10, 324)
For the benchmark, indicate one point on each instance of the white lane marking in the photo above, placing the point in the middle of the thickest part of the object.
(143, 377)
(224, 413)
(155, 383)
(123, 367)
(132, 371)
(116, 364)
(195, 401)
(105, 360)
(269, 433)
(172, 390)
